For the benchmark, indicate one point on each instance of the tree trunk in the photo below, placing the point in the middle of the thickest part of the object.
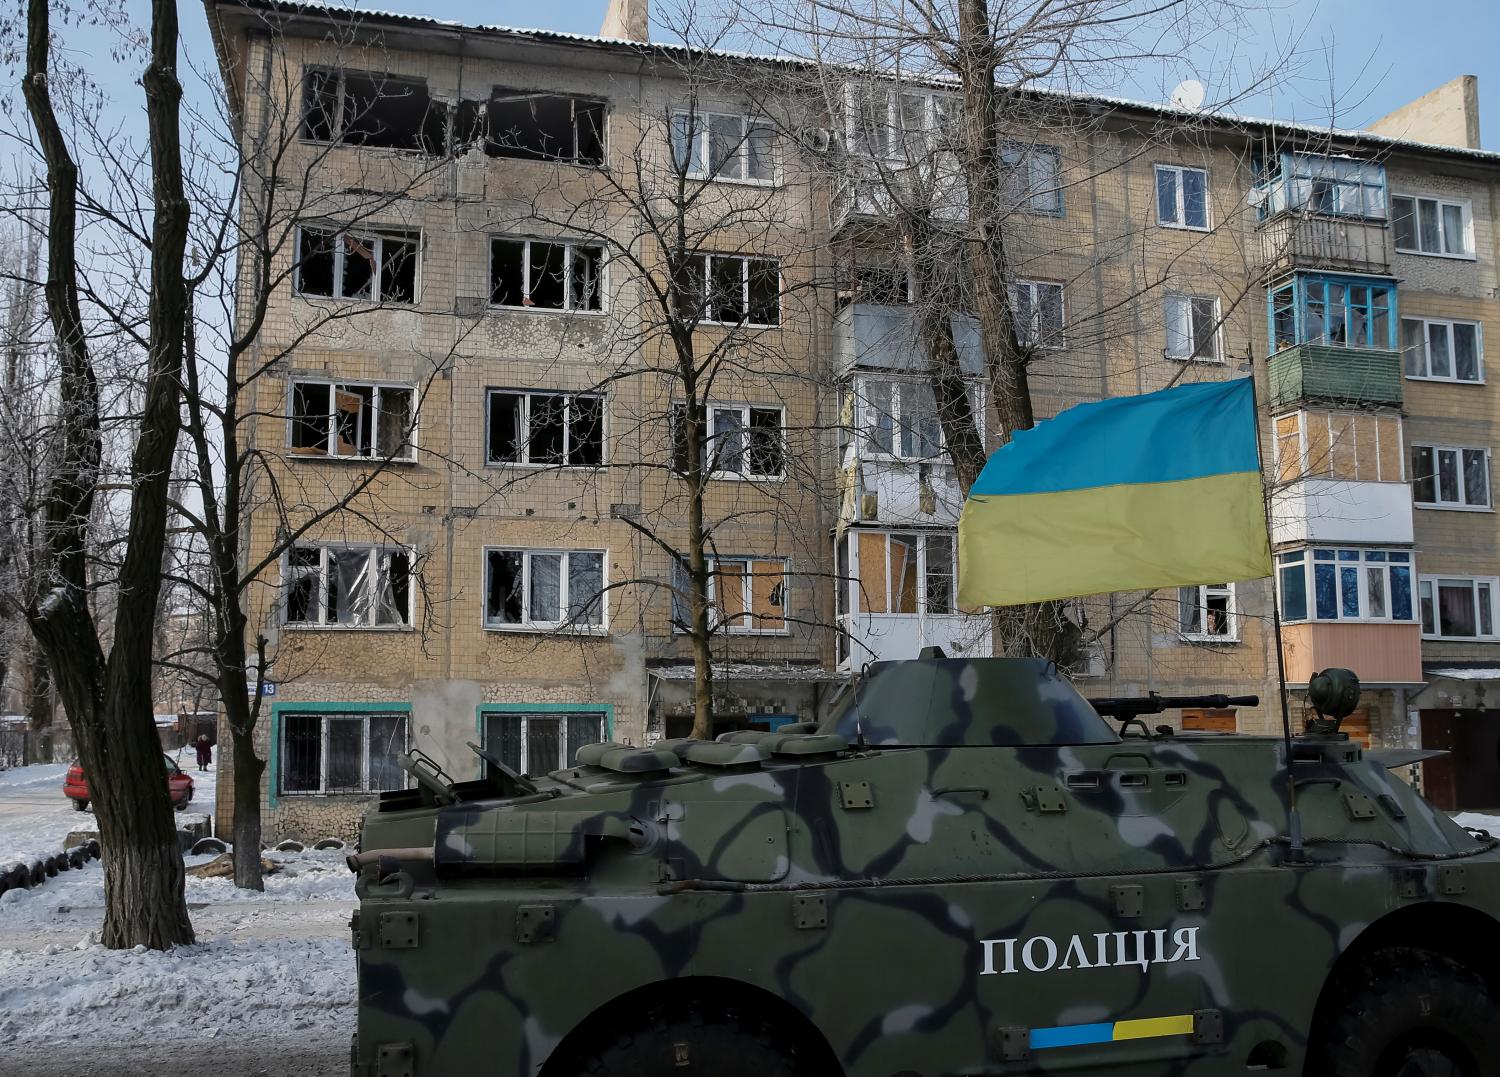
(248, 768)
(697, 478)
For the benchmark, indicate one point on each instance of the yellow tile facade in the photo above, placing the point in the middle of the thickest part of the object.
(1115, 262)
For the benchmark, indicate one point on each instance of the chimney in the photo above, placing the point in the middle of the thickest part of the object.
(628, 20)
(1448, 116)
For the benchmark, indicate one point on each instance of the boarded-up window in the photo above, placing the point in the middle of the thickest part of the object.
(1288, 447)
(749, 594)
(1210, 720)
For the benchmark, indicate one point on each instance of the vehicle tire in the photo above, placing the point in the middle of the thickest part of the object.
(1405, 1012)
(721, 1043)
(180, 806)
(80, 805)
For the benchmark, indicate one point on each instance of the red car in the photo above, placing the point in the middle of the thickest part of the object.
(179, 786)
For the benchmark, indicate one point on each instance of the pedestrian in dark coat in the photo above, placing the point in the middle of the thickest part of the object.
(205, 751)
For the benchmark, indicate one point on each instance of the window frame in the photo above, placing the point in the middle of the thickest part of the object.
(1304, 557)
(1034, 337)
(711, 456)
(334, 385)
(527, 712)
(1431, 583)
(1448, 324)
(697, 165)
(747, 597)
(527, 623)
(342, 74)
(1465, 206)
(708, 259)
(373, 550)
(1310, 417)
(1013, 154)
(373, 234)
(1299, 284)
(569, 246)
(857, 584)
(1217, 337)
(1273, 190)
(888, 388)
(1462, 505)
(1231, 634)
(892, 132)
(343, 711)
(1180, 199)
(492, 391)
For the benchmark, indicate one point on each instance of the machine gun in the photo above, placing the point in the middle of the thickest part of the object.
(1127, 710)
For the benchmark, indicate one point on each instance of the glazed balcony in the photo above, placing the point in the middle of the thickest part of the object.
(1329, 510)
(1335, 374)
(1290, 241)
(876, 336)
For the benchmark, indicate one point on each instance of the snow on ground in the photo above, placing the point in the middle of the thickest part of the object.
(271, 975)
(1479, 821)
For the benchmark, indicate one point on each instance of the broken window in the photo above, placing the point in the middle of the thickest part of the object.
(544, 588)
(1192, 327)
(546, 274)
(1207, 612)
(345, 419)
(886, 285)
(713, 145)
(901, 418)
(342, 752)
(562, 429)
(748, 594)
(376, 266)
(740, 441)
(739, 290)
(543, 127)
(386, 111)
(904, 573)
(1038, 310)
(348, 586)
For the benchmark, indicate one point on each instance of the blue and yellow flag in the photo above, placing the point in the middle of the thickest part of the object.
(1127, 494)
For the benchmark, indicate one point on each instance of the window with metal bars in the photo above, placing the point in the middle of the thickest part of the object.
(341, 751)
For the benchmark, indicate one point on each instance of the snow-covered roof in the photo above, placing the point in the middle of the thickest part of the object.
(1477, 674)
(1363, 138)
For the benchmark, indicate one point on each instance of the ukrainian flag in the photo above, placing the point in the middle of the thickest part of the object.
(1132, 493)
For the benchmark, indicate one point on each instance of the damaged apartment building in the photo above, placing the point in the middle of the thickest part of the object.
(470, 390)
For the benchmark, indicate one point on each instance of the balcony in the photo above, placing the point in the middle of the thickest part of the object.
(1342, 510)
(934, 189)
(1334, 374)
(885, 637)
(1292, 241)
(1379, 654)
(878, 337)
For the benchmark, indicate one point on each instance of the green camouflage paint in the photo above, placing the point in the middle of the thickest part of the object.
(965, 871)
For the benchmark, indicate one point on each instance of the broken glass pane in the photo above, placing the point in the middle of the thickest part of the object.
(315, 262)
(939, 582)
(398, 269)
(507, 272)
(726, 290)
(303, 571)
(320, 101)
(394, 423)
(358, 280)
(505, 428)
(765, 292)
(547, 425)
(765, 442)
(353, 412)
(584, 280)
(394, 604)
(503, 590)
(586, 431)
(546, 275)
(309, 417)
(728, 440)
(387, 741)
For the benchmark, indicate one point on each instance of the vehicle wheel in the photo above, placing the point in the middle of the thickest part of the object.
(1406, 1012)
(180, 806)
(721, 1043)
(80, 805)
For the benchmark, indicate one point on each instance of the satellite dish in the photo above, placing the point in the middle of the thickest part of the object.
(1189, 95)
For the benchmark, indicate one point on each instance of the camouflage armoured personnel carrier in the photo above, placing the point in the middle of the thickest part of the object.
(967, 870)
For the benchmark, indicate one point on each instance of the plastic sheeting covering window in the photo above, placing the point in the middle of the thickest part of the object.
(359, 586)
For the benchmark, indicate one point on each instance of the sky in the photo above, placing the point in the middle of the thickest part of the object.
(1370, 56)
